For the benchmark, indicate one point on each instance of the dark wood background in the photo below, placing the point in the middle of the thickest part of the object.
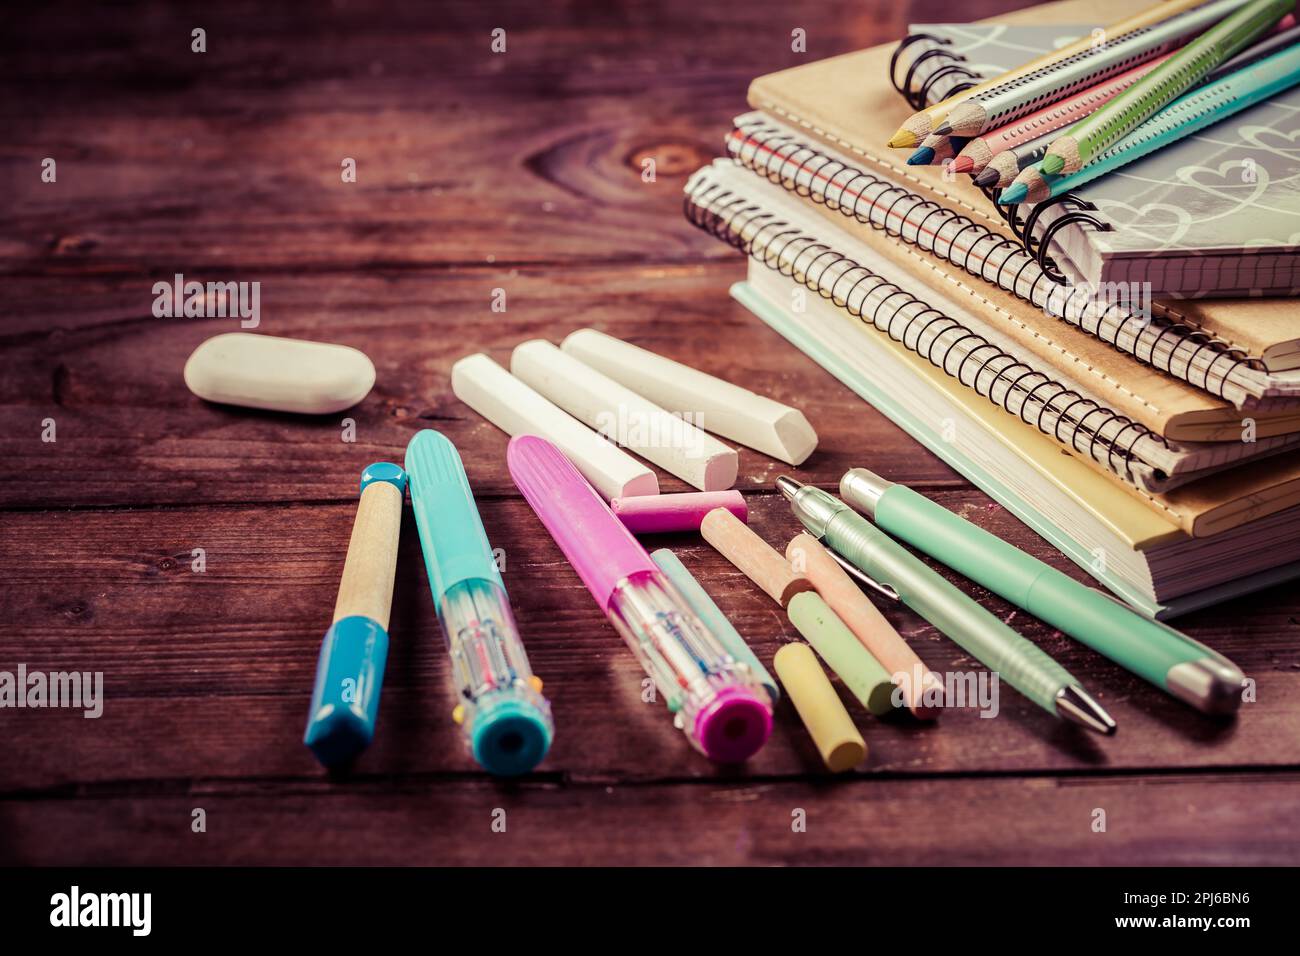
(475, 171)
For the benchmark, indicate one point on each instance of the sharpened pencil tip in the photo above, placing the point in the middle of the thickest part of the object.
(921, 157)
(1013, 194)
(902, 140)
(943, 129)
(987, 177)
(1053, 164)
(963, 164)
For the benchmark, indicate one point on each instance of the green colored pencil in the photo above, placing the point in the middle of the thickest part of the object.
(1077, 146)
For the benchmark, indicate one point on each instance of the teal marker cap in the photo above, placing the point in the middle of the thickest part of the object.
(456, 547)
(510, 736)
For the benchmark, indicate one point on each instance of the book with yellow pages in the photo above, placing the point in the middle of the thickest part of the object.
(1140, 553)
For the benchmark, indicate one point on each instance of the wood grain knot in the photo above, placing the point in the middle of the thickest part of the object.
(72, 245)
(670, 159)
(77, 611)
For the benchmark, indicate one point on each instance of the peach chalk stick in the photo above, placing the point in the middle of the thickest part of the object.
(751, 554)
(652, 514)
(820, 708)
(868, 625)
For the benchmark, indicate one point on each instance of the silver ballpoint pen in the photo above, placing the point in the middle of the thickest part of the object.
(892, 568)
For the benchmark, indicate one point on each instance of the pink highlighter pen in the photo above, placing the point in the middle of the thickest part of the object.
(715, 699)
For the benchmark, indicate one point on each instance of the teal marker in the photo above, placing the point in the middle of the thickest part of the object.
(1155, 652)
(713, 618)
(892, 568)
(501, 710)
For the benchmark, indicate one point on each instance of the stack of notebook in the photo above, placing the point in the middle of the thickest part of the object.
(1156, 443)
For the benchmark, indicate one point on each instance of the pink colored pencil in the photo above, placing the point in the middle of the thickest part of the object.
(977, 153)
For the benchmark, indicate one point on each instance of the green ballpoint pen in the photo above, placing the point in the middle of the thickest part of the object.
(1155, 652)
(1018, 661)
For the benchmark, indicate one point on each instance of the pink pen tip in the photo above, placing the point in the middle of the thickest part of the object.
(734, 726)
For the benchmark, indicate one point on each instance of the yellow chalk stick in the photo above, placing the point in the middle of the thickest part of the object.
(829, 725)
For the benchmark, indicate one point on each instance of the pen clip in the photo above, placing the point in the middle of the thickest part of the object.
(862, 577)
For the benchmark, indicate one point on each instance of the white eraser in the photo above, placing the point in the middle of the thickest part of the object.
(516, 409)
(625, 417)
(287, 375)
(723, 408)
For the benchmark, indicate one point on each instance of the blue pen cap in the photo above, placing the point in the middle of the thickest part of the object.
(501, 711)
(345, 697)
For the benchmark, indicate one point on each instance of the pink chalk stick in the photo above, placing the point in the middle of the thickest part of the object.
(652, 514)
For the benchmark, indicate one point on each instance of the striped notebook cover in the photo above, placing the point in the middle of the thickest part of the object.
(772, 227)
(1214, 214)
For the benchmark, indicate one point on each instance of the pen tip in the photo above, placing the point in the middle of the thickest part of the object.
(1074, 704)
(787, 486)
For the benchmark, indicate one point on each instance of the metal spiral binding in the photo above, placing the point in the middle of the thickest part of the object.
(919, 99)
(788, 158)
(730, 218)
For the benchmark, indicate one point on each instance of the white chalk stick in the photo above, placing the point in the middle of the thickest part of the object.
(623, 416)
(722, 408)
(516, 409)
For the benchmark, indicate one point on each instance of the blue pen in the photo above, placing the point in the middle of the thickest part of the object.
(501, 710)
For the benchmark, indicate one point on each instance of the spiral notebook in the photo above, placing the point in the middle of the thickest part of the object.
(1137, 552)
(830, 105)
(832, 180)
(1215, 214)
(775, 228)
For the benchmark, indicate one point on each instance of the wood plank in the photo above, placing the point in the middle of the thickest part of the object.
(208, 674)
(463, 155)
(1212, 819)
(90, 356)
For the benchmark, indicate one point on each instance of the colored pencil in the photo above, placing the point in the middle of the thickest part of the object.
(922, 124)
(1083, 141)
(981, 149)
(1002, 168)
(936, 150)
(1196, 110)
(1009, 101)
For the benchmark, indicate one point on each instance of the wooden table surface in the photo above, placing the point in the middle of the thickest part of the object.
(475, 171)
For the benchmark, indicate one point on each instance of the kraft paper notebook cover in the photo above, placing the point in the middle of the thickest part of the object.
(847, 102)
(1076, 510)
(891, 290)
